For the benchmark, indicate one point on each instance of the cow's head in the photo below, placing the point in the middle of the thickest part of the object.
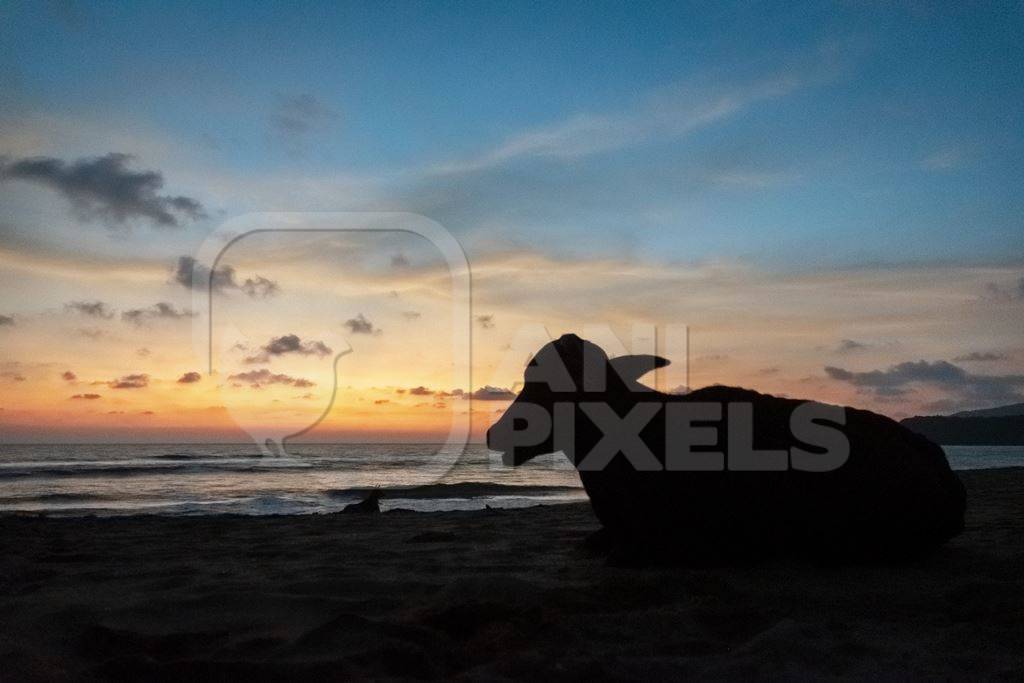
(563, 372)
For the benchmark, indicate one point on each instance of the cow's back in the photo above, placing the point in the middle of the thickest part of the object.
(895, 494)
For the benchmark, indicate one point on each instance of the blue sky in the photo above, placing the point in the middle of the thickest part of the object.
(896, 136)
(808, 186)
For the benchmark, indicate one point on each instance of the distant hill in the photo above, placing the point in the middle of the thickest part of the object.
(1001, 411)
(954, 430)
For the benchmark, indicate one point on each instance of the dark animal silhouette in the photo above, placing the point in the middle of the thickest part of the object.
(857, 485)
(368, 505)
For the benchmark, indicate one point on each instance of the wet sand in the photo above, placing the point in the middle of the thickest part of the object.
(494, 594)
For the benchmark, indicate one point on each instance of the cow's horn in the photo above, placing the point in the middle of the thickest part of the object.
(632, 368)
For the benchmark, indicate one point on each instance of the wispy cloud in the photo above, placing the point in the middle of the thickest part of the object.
(1001, 293)
(263, 377)
(670, 112)
(851, 346)
(158, 311)
(980, 357)
(753, 180)
(942, 160)
(296, 117)
(91, 309)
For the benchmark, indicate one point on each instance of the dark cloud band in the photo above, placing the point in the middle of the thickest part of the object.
(105, 188)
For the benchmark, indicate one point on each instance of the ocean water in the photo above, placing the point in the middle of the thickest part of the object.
(984, 457)
(116, 479)
(121, 479)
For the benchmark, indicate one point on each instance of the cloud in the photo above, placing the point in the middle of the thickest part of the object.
(295, 117)
(851, 346)
(994, 292)
(135, 381)
(193, 275)
(360, 325)
(489, 393)
(753, 179)
(289, 343)
(92, 309)
(486, 321)
(901, 378)
(6, 321)
(420, 391)
(158, 311)
(262, 377)
(942, 160)
(189, 378)
(400, 261)
(667, 113)
(105, 188)
(86, 397)
(13, 376)
(1004, 294)
(69, 376)
(980, 357)
(411, 315)
(259, 287)
(381, 401)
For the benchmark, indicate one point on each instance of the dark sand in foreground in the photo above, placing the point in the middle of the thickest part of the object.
(489, 595)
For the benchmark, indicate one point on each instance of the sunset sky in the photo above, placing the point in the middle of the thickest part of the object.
(829, 196)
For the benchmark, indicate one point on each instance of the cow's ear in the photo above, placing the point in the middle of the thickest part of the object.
(632, 368)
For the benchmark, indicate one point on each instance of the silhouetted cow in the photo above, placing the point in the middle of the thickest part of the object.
(726, 472)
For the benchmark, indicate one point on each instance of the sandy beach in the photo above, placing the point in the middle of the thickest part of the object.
(493, 594)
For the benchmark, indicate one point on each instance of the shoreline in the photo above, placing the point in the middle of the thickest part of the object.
(183, 481)
(484, 594)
